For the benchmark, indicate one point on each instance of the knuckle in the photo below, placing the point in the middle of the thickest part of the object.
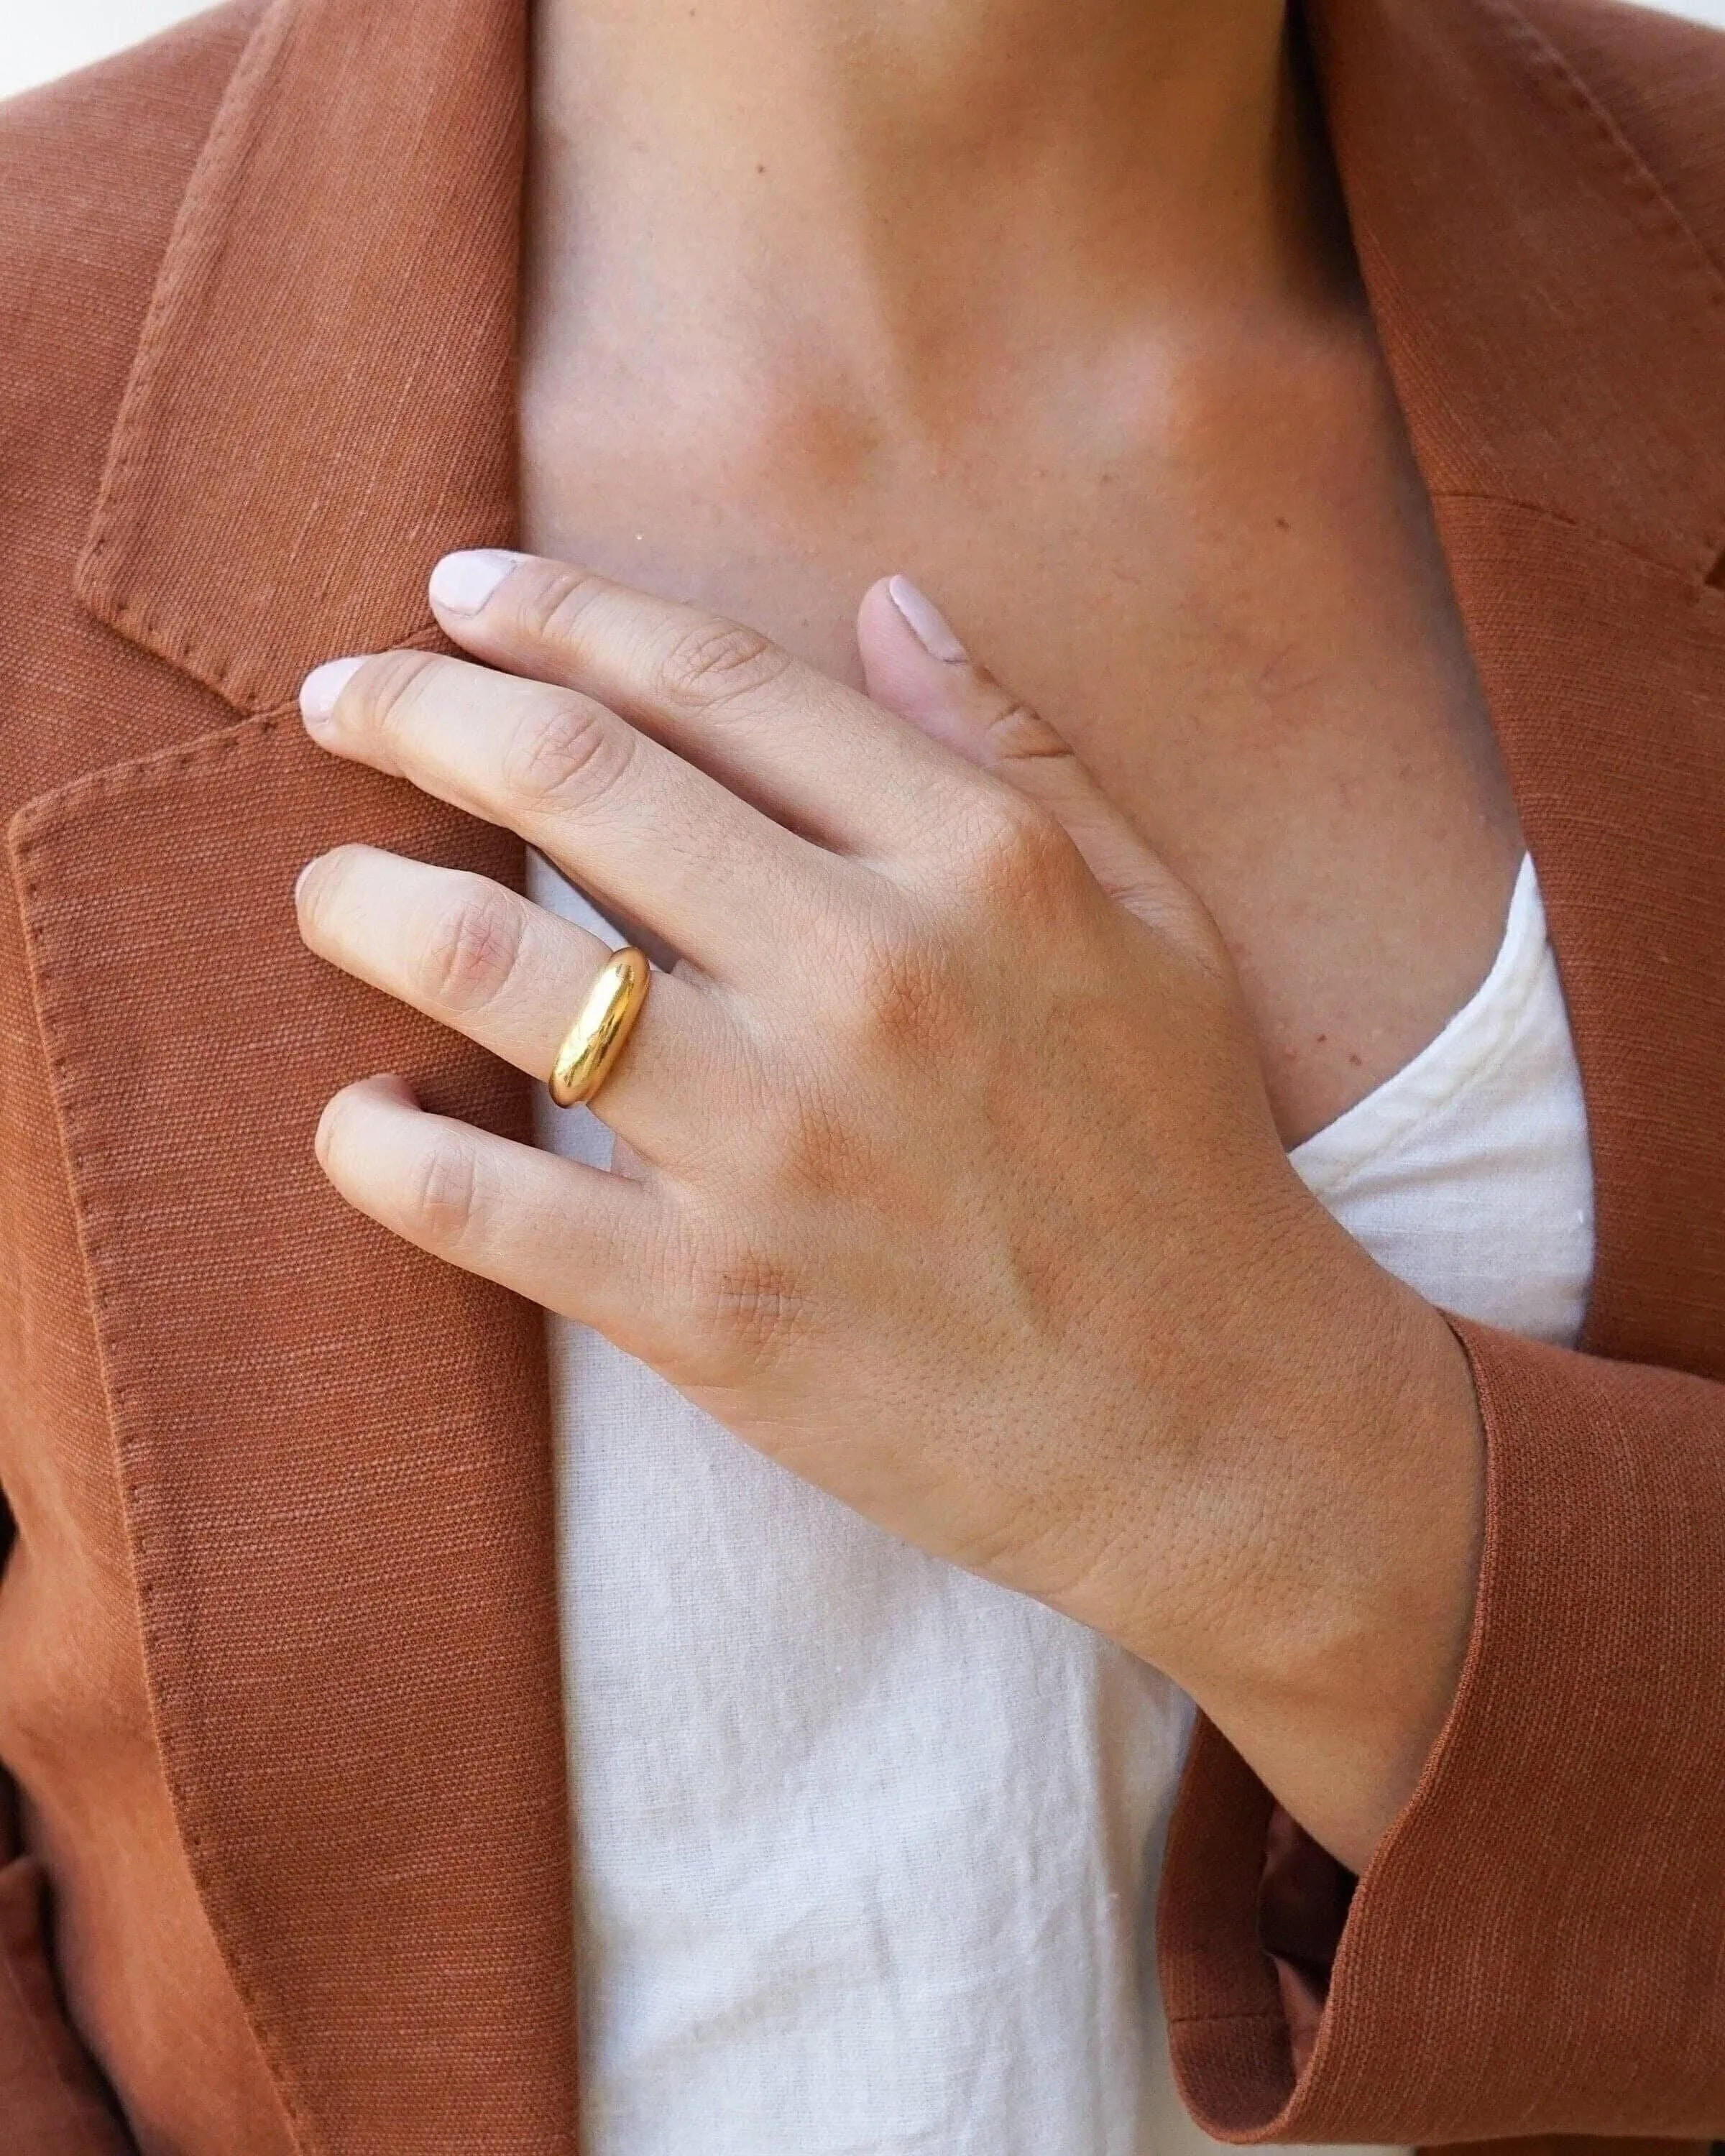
(1014, 854)
(823, 1158)
(801, 1140)
(1016, 733)
(442, 1198)
(903, 997)
(552, 602)
(746, 1306)
(712, 662)
(565, 753)
(473, 948)
(395, 687)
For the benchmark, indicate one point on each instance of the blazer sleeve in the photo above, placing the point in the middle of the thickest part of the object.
(1538, 1945)
(52, 2101)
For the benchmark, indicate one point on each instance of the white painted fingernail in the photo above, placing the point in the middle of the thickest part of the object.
(927, 623)
(461, 583)
(321, 686)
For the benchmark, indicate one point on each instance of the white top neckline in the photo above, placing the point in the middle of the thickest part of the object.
(1477, 1036)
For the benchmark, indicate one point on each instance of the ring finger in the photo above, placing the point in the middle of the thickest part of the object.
(486, 961)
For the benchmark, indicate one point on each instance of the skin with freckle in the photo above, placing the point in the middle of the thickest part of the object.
(1158, 475)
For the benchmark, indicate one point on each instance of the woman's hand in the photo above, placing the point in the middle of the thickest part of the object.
(950, 1179)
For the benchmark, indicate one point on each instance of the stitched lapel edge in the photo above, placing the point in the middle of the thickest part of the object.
(342, 275)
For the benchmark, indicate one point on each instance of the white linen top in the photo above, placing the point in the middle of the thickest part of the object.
(866, 1848)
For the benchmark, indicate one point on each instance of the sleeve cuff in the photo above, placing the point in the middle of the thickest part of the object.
(1535, 1948)
(51, 2101)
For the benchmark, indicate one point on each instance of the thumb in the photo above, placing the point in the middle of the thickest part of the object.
(914, 665)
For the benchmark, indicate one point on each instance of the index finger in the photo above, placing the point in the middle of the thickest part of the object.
(815, 754)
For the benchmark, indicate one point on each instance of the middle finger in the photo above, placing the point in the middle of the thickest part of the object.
(623, 816)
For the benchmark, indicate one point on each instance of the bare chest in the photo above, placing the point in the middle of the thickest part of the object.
(1256, 654)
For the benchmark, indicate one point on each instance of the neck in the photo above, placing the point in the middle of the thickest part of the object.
(921, 176)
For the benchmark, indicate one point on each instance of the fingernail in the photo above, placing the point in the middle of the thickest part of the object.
(321, 686)
(300, 880)
(927, 623)
(461, 583)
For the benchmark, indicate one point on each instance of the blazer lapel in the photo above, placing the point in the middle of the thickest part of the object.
(323, 398)
(335, 1452)
(1557, 336)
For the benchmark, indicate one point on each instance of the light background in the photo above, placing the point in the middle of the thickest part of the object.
(39, 38)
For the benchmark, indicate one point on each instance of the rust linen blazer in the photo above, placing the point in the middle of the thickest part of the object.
(285, 1859)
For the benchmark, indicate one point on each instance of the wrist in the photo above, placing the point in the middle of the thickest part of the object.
(1328, 1602)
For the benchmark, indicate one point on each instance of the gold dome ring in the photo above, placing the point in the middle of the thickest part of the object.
(591, 1045)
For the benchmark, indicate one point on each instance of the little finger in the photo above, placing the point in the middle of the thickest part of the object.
(578, 1241)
